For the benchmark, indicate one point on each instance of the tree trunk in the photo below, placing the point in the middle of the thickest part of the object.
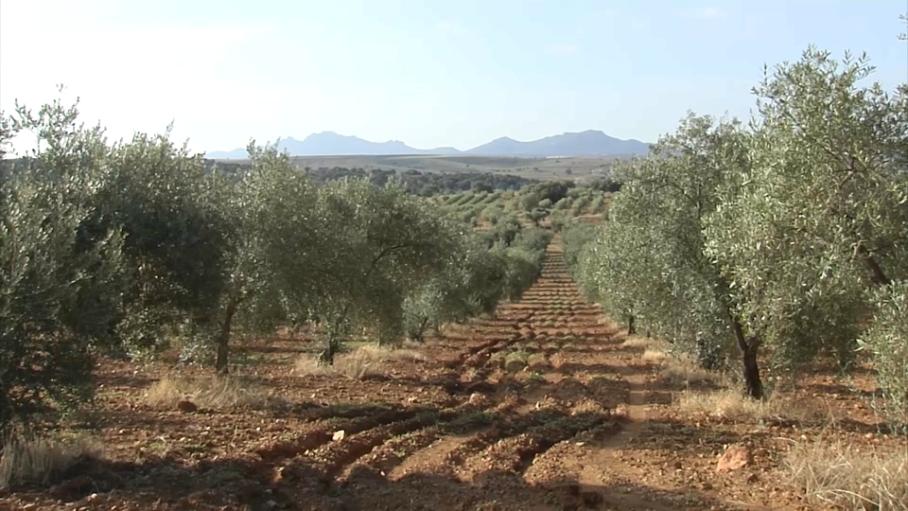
(421, 331)
(631, 327)
(748, 347)
(223, 339)
(326, 357)
(877, 275)
(752, 380)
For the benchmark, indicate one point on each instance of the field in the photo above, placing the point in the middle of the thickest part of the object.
(531, 168)
(546, 404)
(484, 210)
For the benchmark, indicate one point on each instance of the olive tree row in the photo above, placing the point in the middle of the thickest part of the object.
(123, 247)
(773, 236)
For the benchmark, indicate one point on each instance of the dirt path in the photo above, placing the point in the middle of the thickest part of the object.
(546, 406)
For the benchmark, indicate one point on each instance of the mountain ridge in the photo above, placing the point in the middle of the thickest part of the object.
(582, 143)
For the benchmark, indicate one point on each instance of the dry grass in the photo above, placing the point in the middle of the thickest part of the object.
(653, 356)
(681, 370)
(839, 474)
(212, 392)
(364, 361)
(40, 460)
(727, 404)
(734, 405)
(588, 407)
(639, 342)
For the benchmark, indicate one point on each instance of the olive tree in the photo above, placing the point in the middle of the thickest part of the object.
(270, 241)
(374, 246)
(820, 218)
(59, 284)
(651, 260)
(161, 197)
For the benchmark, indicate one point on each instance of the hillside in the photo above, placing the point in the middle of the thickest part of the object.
(585, 143)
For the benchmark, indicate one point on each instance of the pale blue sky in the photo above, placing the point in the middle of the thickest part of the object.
(427, 72)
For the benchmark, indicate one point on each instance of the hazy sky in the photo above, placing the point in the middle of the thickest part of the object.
(430, 73)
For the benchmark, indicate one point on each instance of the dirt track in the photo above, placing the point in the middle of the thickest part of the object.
(538, 407)
(546, 436)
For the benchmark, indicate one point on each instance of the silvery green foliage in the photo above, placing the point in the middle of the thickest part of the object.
(375, 246)
(649, 261)
(476, 276)
(821, 215)
(471, 283)
(422, 307)
(575, 237)
(267, 244)
(176, 239)
(887, 343)
(60, 283)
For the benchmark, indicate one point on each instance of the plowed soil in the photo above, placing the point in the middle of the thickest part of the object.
(539, 407)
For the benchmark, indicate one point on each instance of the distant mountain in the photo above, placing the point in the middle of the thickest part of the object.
(328, 143)
(585, 143)
(236, 154)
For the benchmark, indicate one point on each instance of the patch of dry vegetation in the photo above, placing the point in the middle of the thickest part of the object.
(682, 370)
(727, 404)
(364, 361)
(41, 459)
(639, 342)
(842, 475)
(215, 392)
(734, 405)
(652, 356)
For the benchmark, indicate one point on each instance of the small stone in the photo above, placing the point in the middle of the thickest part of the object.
(736, 457)
(338, 435)
(477, 399)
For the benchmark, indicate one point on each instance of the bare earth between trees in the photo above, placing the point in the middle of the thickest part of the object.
(545, 405)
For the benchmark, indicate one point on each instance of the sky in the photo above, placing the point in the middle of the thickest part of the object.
(428, 72)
